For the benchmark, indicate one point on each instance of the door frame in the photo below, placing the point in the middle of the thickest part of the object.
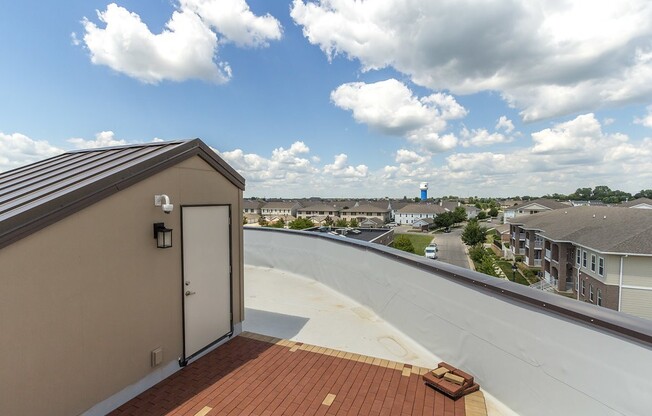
(183, 360)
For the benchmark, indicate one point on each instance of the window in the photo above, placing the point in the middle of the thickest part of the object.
(579, 257)
(591, 293)
(592, 262)
(583, 288)
(599, 297)
(584, 258)
(600, 266)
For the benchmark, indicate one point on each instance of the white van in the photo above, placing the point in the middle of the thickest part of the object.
(431, 251)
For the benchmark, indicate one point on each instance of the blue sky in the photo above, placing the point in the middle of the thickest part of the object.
(342, 98)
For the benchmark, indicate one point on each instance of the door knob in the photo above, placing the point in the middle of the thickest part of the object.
(188, 293)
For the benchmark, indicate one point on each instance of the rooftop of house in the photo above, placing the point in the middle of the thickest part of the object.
(41, 193)
(320, 207)
(548, 203)
(605, 229)
(637, 202)
(252, 204)
(366, 208)
(281, 205)
(421, 208)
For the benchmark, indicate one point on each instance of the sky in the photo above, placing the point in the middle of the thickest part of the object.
(343, 98)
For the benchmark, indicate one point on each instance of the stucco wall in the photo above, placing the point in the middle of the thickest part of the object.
(84, 301)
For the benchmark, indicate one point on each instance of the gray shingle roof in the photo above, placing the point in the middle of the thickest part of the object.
(320, 207)
(548, 203)
(39, 194)
(421, 209)
(366, 208)
(639, 201)
(606, 229)
(281, 205)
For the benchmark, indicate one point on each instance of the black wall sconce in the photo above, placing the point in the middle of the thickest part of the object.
(162, 235)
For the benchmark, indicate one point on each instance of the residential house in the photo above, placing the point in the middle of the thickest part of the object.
(363, 211)
(641, 203)
(319, 212)
(531, 207)
(103, 288)
(424, 223)
(251, 209)
(414, 212)
(603, 255)
(275, 210)
(371, 223)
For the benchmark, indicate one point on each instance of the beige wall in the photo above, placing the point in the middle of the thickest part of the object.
(84, 301)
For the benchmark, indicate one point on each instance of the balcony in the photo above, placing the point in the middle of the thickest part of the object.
(521, 251)
(547, 256)
(521, 236)
(454, 313)
(538, 244)
(526, 260)
(537, 263)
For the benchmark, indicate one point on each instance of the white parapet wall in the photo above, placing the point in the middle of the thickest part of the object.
(538, 353)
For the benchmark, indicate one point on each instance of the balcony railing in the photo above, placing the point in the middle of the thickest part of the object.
(538, 244)
(547, 257)
(521, 251)
(527, 243)
(526, 260)
(521, 236)
(453, 312)
(537, 263)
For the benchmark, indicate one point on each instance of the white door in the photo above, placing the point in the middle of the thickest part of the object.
(206, 276)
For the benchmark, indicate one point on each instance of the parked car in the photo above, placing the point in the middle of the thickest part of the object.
(447, 229)
(431, 251)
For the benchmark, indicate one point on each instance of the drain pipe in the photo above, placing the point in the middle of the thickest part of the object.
(620, 283)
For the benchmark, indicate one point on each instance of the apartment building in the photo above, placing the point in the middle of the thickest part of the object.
(364, 211)
(412, 213)
(532, 207)
(319, 212)
(603, 255)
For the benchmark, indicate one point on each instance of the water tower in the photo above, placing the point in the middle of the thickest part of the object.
(424, 190)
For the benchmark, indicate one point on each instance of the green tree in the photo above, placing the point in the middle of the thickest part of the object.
(459, 215)
(340, 223)
(645, 193)
(262, 221)
(482, 215)
(280, 223)
(474, 234)
(353, 223)
(401, 242)
(445, 219)
(493, 212)
(301, 224)
(244, 220)
(328, 221)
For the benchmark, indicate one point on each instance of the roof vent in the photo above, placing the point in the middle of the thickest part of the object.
(605, 217)
(593, 215)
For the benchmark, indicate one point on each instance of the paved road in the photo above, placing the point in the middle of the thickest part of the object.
(451, 248)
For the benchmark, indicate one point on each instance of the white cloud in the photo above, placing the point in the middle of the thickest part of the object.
(646, 120)
(546, 58)
(482, 137)
(185, 49)
(284, 166)
(102, 139)
(409, 156)
(17, 150)
(505, 124)
(341, 169)
(390, 107)
(235, 22)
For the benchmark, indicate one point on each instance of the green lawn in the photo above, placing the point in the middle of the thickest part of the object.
(419, 242)
(506, 267)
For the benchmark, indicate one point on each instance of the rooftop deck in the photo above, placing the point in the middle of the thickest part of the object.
(259, 375)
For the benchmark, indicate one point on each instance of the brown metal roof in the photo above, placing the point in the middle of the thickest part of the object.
(39, 194)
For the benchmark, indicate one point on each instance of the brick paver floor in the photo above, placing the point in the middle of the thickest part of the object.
(257, 375)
